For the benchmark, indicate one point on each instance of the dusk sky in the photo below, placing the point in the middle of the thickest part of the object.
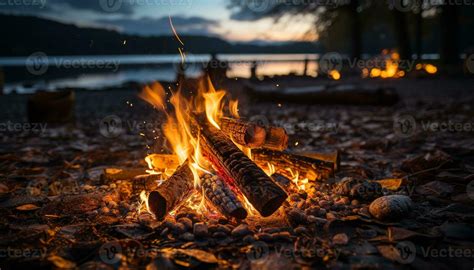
(150, 17)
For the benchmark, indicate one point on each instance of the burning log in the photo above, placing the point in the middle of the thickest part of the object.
(277, 139)
(264, 194)
(253, 135)
(284, 183)
(114, 174)
(162, 162)
(173, 191)
(222, 197)
(147, 182)
(314, 169)
(244, 133)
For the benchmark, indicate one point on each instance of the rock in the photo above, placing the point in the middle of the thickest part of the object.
(188, 224)
(330, 216)
(358, 189)
(282, 236)
(219, 235)
(187, 236)
(295, 197)
(248, 239)
(266, 237)
(241, 231)
(179, 228)
(301, 230)
(200, 230)
(340, 239)
(316, 220)
(296, 217)
(392, 207)
(224, 229)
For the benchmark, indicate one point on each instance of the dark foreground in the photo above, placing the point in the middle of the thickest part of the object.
(58, 212)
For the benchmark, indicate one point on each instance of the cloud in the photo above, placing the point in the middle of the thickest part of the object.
(38, 7)
(161, 26)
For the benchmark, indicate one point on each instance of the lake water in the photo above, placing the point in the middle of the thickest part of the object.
(27, 74)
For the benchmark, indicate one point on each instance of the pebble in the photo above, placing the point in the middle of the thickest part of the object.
(301, 230)
(187, 236)
(295, 197)
(282, 236)
(340, 239)
(241, 230)
(330, 216)
(219, 235)
(248, 239)
(200, 230)
(224, 229)
(317, 220)
(391, 207)
(188, 224)
(112, 204)
(179, 228)
(266, 237)
(104, 210)
(296, 217)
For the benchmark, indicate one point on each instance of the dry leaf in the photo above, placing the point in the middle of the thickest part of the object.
(199, 255)
(390, 183)
(27, 207)
(61, 262)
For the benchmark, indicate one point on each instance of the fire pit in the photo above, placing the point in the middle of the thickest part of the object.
(214, 158)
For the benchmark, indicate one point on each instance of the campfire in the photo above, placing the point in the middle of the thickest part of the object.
(220, 163)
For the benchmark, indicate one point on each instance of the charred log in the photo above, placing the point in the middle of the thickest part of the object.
(264, 194)
(333, 157)
(284, 183)
(313, 169)
(218, 193)
(173, 191)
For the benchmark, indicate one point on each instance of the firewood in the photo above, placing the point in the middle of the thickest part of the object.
(333, 157)
(264, 194)
(147, 182)
(114, 174)
(162, 162)
(252, 135)
(310, 168)
(276, 139)
(244, 133)
(284, 183)
(218, 193)
(174, 190)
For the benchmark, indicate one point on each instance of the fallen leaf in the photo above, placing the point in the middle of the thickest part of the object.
(61, 262)
(27, 207)
(391, 183)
